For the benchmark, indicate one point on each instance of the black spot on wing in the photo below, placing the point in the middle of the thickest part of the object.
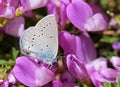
(46, 45)
(33, 38)
(50, 36)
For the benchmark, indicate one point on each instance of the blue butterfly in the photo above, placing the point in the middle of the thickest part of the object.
(41, 41)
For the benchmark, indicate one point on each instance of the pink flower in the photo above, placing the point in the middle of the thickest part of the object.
(11, 78)
(57, 83)
(116, 45)
(31, 4)
(58, 8)
(4, 84)
(100, 72)
(79, 13)
(67, 80)
(6, 9)
(81, 16)
(32, 74)
(115, 60)
(15, 27)
(81, 46)
(77, 68)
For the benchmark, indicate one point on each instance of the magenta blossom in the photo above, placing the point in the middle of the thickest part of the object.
(15, 27)
(97, 9)
(81, 46)
(14, 8)
(77, 68)
(54, 83)
(81, 16)
(11, 78)
(115, 60)
(4, 84)
(58, 8)
(31, 4)
(6, 9)
(68, 80)
(32, 74)
(99, 72)
(79, 13)
(57, 83)
(116, 45)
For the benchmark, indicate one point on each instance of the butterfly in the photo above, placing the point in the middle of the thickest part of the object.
(41, 41)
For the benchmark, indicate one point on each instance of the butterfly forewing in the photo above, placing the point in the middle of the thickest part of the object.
(41, 41)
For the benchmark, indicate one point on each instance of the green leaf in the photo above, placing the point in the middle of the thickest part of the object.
(106, 84)
(14, 53)
(118, 82)
(109, 39)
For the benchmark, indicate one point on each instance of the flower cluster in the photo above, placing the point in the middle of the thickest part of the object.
(81, 65)
(11, 11)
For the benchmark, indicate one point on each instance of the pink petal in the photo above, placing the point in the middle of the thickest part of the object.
(78, 45)
(77, 68)
(52, 9)
(30, 73)
(94, 79)
(57, 83)
(78, 12)
(97, 9)
(116, 45)
(98, 64)
(15, 27)
(85, 49)
(63, 14)
(108, 75)
(115, 60)
(43, 76)
(31, 5)
(14, 3)
(96, 23)
(8, 12)
(67, 79)
(11, 78)
(66, 2)
(4, 84)
(67, 42)
(56, 2)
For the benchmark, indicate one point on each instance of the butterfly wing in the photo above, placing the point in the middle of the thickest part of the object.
(41, 41)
